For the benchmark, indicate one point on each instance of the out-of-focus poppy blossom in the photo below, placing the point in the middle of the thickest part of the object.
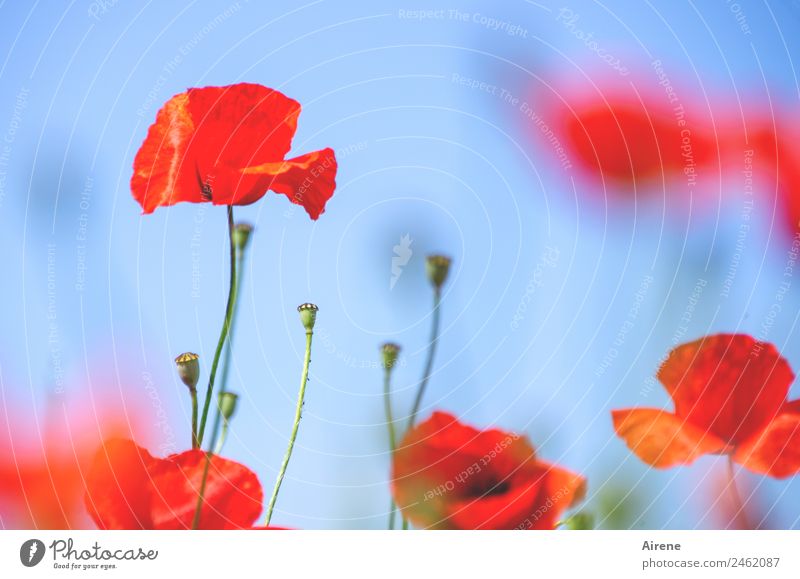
(42, 471)
(625, 139)
(447, 475)
(228, 145)
(127, 488)
(730, 398)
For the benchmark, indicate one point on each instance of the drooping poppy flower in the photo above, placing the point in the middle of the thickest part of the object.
(228, 145)
(730, 398)
(128, 488)
(447, 475)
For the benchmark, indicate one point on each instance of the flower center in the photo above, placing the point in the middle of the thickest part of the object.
(489, 488)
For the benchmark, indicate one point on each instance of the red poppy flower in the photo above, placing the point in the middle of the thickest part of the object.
(228, 145)
(127, 488)
(450, 476)
(730, 398)
(43, 461)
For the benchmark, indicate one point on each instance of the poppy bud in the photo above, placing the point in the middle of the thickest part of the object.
(241, 235)
(390, 352)
(437, 267)
(582, 521)
(227, 404)
(189, 369)
(308, 315)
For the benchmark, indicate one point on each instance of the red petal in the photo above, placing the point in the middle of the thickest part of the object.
(118, 486)
(232, 496)
(205, 133)
(447, 475)
(728, 384)
(662, 439)
(162, 173)
(240, 125)
(776, 451)
(308, 180)
(539, 494)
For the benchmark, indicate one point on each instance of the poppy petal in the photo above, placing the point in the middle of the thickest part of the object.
(241, 125)
(776, 451)
(537, 503)
(232, 498)
(162, 173)
(118, 486)
(728, 384)
(203, 134)
(308, 180)
(447, 475)
(662, 439)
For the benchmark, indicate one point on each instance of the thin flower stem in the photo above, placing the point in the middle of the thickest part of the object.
(195, 443)
(387, 404)
(223, 435)
(437, 296)
(226, 325)
(741, 514)
(293, 436)
(226, 362)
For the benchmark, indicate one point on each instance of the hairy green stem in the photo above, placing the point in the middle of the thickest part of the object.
(293, 436)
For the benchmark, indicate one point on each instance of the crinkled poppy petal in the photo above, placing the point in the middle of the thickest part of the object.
(201, 135)
(728, 384)
(163, 174)
(240, 125)
(775, 451)
(233, 494)
(118, 486)
(662, 439)
(308, 180)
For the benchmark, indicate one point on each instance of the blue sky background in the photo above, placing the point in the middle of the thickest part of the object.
(420, 155)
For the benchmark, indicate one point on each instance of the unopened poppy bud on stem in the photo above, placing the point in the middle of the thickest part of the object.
(188, 365)
(390, 353)
(227, 404)
(241, 235)
(308, 315)
(437, 267)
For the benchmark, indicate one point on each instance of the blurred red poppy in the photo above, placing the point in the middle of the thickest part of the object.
(127, 488)
(626, 138)
(730, 398)
(447, 475)
(228, 145)
(44, 458)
